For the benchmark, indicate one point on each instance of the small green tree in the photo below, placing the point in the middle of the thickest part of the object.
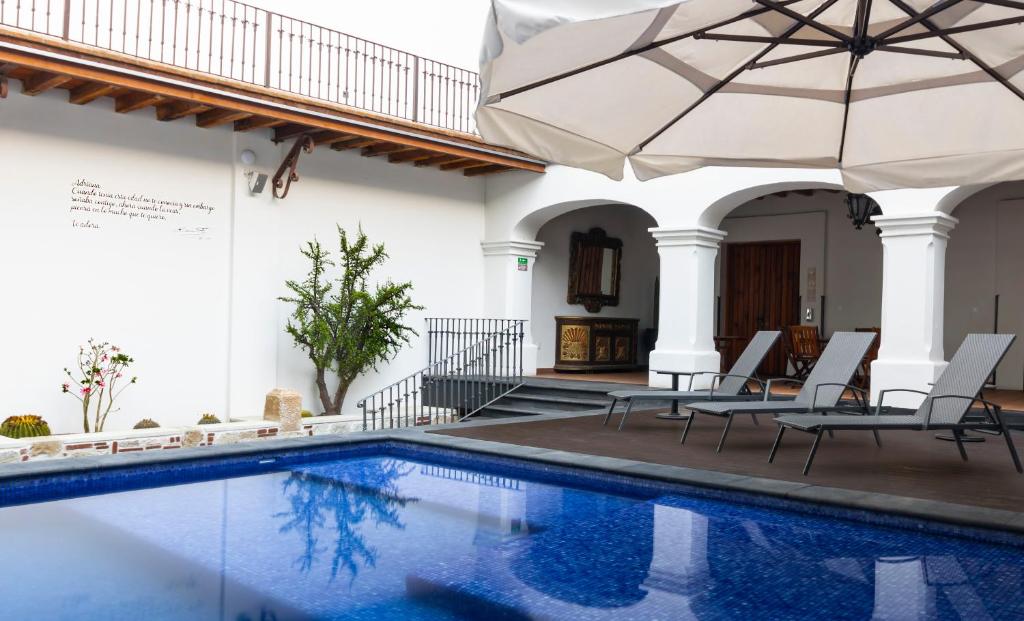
(345, 328)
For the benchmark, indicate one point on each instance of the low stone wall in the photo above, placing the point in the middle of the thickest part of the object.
(162, 439)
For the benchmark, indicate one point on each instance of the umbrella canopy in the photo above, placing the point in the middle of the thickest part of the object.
(895, 93)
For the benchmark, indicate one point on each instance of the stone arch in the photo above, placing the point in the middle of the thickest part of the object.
(951, 201)
(530, 224)
(713, 215)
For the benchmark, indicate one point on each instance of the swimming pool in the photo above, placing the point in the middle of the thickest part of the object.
(395, 531)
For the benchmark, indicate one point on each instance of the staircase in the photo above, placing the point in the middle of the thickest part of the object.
(553, 396)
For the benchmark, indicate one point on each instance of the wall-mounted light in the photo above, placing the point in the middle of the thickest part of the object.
(861, 208)
(257, 181)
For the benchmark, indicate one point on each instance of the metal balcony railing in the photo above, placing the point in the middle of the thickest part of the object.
(240, 42)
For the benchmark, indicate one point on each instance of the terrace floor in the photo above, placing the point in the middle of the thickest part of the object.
(909, 464)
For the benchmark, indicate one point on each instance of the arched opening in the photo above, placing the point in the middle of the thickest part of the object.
(609, 340)
(792, 257)
(983, 290)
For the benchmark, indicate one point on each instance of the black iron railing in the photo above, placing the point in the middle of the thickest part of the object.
(241, 42)
(447, 335)
(455, 385)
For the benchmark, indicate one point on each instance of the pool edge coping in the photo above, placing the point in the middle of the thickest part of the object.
(952, 514)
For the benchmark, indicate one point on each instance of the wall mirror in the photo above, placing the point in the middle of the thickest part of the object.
(594, 270)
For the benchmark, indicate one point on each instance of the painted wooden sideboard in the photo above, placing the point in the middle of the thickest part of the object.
(595, 344)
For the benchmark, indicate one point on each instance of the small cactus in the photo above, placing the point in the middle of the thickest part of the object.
(147, 423)
(307, 414)
(27, 426)
(209, 419)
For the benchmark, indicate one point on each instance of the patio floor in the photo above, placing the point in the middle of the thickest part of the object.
(910, 464)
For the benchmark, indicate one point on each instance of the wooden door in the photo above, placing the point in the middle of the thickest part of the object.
(762, 292)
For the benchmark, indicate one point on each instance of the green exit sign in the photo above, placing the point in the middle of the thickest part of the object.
(523, 264)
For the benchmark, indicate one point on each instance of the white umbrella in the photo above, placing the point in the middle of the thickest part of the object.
(895, 93)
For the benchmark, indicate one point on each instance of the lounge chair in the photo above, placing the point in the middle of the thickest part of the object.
(731, 386)
(824, 387)
(946, 406)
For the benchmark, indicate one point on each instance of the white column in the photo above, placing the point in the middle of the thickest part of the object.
(913, 295)
(508, 288)
(686, 317)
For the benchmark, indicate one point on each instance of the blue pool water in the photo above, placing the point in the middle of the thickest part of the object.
(413, 534)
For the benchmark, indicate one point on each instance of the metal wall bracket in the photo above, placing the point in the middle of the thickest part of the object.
(287, 173)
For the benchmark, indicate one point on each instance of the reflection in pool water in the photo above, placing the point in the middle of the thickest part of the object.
(418, 540)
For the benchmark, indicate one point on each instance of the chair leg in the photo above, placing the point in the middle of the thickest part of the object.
(878, 438)
(1009, 445)
(686, 429)
(629, 408)
(610, 410)
(725, 432)
(775, 447)
(757, 423)
(960, 444)
(814, 449)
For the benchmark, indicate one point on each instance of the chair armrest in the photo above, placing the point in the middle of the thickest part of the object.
(720, 376)
(768, 385)
(856, 390)
(881, 396)
(975, 399)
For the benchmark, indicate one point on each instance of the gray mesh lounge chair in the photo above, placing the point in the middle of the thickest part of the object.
(823, 389)
(730, 386)
(946, 406)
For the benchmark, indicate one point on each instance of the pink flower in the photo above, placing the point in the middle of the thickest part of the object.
(64, 387)
(118, 376)
(86, 390)
(101, 384)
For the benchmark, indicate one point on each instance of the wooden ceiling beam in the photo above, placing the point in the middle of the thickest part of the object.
(461, 163)
(410, 156)
(257, 122)
(179, 109)
(437, 159)
(41, 82)
(136, 101)
(384, 149)
(219, 116)
(329, 138)
(357, 142)
(486, 169)
(89, 92)
(289, 131)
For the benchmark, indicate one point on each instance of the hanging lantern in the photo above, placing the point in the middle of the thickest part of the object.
(861, 209)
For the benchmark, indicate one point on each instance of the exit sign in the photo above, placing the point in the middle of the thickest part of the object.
(523, 264)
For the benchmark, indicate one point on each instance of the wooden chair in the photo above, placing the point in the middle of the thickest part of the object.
(803, 348)
(864, 373)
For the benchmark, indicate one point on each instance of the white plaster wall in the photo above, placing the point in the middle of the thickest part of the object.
(199, 316)
(984, 259)
(551, 272)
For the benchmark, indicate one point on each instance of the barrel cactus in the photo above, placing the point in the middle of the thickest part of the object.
(209, 419)
(27, 426)
(147, 423)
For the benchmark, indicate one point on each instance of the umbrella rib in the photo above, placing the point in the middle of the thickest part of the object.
(854, 62)
(796, 58)
(935, 8)
(998, 23)
(860, 28)
(711, 36)
(732, 76)
(630, 53)
(805, 20)
(1011, 4)
(995, 75)
(919, 52)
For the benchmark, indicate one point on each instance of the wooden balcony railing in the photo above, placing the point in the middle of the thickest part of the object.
(241, 42)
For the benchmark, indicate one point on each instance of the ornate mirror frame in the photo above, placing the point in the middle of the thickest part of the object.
(586, 260)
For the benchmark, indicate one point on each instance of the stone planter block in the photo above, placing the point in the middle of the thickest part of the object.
(285, 407)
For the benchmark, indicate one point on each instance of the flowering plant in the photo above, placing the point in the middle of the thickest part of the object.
(101, 369)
